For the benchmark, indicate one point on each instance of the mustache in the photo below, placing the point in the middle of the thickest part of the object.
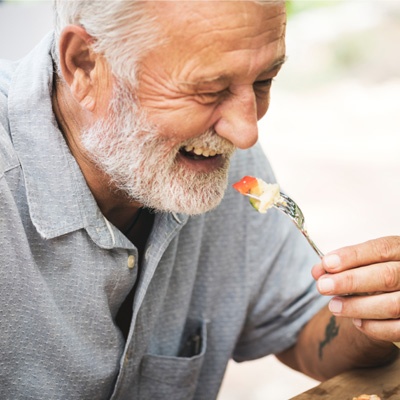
(212, 141)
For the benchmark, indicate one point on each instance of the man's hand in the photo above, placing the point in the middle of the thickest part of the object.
(365, 282)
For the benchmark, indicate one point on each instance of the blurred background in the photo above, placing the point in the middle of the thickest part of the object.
(332, 134)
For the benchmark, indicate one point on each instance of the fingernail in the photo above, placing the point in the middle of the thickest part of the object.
(357, 322)
(335, 306)
(332, 261)
(326, 285)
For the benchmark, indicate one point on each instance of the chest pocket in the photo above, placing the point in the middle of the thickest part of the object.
(166, 377)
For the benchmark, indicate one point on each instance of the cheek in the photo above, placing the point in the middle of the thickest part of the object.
(175, 114)
(182, 119)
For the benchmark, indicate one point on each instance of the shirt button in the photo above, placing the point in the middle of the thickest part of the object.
(131, 261)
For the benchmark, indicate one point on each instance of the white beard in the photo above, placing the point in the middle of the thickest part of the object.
(143, 165)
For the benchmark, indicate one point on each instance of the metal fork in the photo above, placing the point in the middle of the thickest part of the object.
(292, 210)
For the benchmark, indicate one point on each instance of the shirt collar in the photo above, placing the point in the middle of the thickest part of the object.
(58, 197)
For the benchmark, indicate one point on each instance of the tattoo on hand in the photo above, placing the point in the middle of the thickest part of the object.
(331, 331)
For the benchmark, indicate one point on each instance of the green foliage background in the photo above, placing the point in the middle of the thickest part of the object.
(296, 6)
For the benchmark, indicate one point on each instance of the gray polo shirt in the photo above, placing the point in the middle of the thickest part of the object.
(231, 283)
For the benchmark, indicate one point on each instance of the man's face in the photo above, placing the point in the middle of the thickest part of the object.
(200, 95)
(214, 70)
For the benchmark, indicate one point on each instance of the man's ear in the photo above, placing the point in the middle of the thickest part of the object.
(78, 63)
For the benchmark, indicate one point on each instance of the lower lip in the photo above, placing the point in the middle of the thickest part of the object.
(204, 164)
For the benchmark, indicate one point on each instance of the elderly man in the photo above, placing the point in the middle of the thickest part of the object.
(129, 271)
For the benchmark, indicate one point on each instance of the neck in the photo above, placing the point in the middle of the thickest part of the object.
(71, 119)
(140, 232)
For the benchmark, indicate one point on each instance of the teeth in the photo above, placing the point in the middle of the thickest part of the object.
(199, 151)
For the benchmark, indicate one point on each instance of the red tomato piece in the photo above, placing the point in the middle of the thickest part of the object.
(245, 184)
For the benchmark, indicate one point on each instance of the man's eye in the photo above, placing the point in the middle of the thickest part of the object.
(262, 88)
(266, 83)
(210, 97)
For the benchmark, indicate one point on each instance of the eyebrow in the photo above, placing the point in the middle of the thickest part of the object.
(276, 64)
(225, 78)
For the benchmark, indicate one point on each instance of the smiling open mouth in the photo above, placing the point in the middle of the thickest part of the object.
(198, 153)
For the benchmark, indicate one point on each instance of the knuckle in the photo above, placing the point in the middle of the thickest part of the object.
(391, 277)
(394, 307)
(356, 256)
(384, 248)
(350, 282)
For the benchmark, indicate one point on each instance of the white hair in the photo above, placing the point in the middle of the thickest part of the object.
(122, 30)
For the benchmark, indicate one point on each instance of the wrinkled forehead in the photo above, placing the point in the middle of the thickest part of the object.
(193, 11)
(194, 19)
(207, 40)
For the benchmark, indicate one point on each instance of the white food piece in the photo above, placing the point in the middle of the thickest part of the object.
(269, 193)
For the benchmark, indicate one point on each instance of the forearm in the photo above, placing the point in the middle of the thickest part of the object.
(329, 345)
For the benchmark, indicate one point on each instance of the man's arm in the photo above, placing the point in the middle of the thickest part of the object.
(329, 345)
(363, 318)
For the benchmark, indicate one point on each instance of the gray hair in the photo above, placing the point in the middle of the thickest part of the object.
(123, 30)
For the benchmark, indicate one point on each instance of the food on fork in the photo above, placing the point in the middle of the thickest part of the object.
(367, 397)
(268, 193)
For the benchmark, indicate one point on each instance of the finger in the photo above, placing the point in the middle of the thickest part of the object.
(317, 271)
(371, 252)
(381, 306)
(388, 330)
(372, 278)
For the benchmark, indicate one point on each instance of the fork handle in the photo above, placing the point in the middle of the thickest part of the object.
(313, 245)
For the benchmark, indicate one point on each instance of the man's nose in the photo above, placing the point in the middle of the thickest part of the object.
(238, 118)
